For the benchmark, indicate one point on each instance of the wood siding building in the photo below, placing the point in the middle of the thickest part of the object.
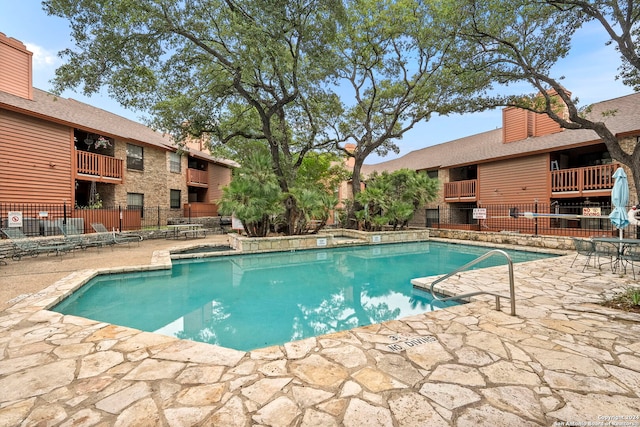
(35, 160)
(530, 160)
(57, 150)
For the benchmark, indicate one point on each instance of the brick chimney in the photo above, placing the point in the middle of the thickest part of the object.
(15, 68)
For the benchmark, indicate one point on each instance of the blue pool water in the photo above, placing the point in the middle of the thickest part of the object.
(252, 301)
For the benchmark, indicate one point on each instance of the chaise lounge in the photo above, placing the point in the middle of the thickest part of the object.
(78, 239)
(24, 246)
(112, 237)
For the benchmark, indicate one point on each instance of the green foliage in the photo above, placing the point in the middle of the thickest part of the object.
(96, 203)
(253, 196)
(398, 65)
(313, 191)
(393, 198)
(314, 206)
(241, 72)
(628, 300)
(518, 42)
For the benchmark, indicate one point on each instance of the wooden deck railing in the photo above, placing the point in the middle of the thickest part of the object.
(460, 189)
(197, 178)
(105, 168)
(583, 179)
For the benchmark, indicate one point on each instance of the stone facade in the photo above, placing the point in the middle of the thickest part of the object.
(155, 181)
(525, 240)
(326, 239)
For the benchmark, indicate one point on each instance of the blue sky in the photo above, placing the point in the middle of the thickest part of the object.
(590, 73)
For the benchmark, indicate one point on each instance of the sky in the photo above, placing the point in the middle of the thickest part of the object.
(589, 71)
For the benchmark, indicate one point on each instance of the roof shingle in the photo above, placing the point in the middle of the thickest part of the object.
(488, 146)
(87, 117)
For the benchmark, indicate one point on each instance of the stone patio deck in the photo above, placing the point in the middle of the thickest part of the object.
(563, 360)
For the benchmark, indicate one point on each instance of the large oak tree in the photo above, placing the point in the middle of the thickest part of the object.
(235, 69)
(397, 68)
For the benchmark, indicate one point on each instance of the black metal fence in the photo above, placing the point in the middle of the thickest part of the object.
(535, 218)
(45, 219)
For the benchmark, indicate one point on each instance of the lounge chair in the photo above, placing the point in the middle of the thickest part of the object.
(112, 237)
(24, 246)
(78, 239)
(584, 247)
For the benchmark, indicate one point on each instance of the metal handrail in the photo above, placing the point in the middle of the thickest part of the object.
(489, 254)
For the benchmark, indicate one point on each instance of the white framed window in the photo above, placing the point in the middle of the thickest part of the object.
(175, 162)
(135, 157)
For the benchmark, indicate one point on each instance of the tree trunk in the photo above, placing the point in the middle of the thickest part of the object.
(352, 223)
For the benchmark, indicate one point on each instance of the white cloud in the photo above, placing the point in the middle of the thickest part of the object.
(45, 63)
(42, 58)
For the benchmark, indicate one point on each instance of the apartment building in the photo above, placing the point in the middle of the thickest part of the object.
(529, 161)
(61, 151)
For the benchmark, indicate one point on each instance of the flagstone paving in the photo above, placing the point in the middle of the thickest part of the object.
(563, 360)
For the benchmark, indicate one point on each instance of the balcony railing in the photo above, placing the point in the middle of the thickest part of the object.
(460, 190)
(197, 178)
(579, 180)
(104, 168)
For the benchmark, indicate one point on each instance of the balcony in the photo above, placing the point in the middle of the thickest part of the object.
(585, 181)
(197, 178)
(97, 167)
(460, 191)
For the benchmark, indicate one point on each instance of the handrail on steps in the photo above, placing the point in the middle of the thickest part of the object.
(470, 294)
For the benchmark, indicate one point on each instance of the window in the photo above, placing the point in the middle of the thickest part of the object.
(433, 217)
(174, 199)
(134, 157)
(433, 174)
(136, 201)
(174, 163)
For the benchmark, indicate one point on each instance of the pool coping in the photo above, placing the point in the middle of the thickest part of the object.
(363, 397)
(52, 295)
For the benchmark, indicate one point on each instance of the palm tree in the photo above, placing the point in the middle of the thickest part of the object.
(253, 196)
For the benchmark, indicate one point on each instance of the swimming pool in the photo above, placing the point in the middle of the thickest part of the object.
(251, 301)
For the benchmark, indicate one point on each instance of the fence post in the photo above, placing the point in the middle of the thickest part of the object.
(535, 210)
(64, 212)
(120, 217)
(158, 217)
(438, 216)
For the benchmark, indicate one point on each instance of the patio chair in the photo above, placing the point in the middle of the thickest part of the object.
(584, 247)
(24, 246)
(631, 255)
(608, 251)
(112, 237)
(78, 239)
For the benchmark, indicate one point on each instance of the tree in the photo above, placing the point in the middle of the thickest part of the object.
(397, 71)
(393, 198)
(521, 40)
(253, 196)
(319, 175)
(236, 69)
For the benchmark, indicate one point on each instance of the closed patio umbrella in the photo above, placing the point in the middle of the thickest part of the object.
(619, 199)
